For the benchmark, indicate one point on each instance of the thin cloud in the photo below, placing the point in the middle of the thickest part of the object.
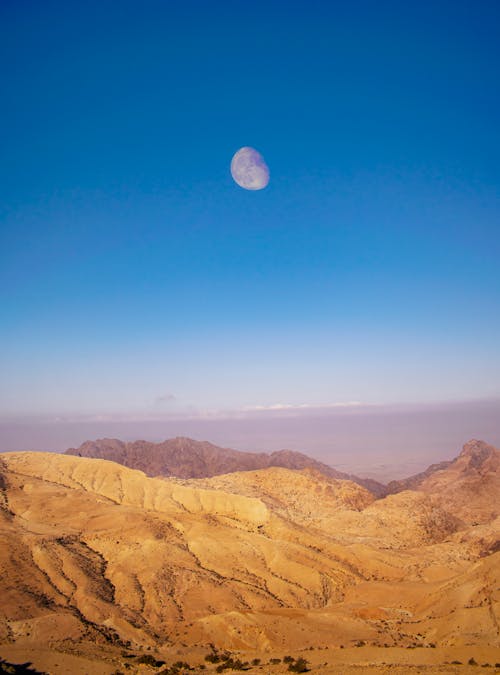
(301, 406)
(165, 398)
(262, 412)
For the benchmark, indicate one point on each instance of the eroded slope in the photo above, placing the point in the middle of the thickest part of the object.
(94, 552)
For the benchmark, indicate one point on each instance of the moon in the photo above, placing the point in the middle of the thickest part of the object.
(249, 169)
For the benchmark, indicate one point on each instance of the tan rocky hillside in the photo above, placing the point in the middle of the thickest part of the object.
(102, 566)
(187, 458)
(343, 509)
(468, 486)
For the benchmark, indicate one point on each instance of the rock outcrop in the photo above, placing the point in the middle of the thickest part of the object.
(101, 564)
(187, 458)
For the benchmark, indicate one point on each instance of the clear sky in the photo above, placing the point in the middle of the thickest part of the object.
(136, 278)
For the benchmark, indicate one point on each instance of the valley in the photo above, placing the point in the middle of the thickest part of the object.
(104, 565)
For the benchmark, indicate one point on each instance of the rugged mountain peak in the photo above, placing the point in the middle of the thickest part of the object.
(101, 444)
(187, 458)
(468, 486)
(478, 455)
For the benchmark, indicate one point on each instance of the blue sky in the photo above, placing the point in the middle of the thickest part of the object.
(137, 278)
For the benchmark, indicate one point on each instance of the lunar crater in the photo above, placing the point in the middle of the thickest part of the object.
(249, 169)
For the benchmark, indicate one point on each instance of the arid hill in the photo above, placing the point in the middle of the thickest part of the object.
(104, 569)
(468, 486)
(187, 458)
(414, 482)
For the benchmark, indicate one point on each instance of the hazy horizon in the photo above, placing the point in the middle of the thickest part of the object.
(382, 442)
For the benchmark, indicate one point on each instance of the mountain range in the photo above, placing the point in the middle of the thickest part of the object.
(107, 570)
(187, 458)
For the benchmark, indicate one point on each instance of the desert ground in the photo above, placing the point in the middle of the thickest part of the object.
(107, 570)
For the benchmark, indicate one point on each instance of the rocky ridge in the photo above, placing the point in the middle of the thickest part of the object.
(188, 458)
(468, 486)
(102, 564)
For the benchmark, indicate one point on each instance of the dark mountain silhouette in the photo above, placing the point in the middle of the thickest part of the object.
(187, 458)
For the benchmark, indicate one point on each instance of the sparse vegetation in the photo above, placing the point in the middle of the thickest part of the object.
(149, 660)
(177, 668)
(19, 668)
(226, 661)
(472, 661)
(232, 664)
(300, 666)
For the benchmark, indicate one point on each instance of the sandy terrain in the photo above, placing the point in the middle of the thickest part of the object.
(102, 565)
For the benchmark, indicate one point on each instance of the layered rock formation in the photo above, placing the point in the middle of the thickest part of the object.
(102, 565)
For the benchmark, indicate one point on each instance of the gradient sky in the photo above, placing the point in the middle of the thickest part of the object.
(137, 278)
